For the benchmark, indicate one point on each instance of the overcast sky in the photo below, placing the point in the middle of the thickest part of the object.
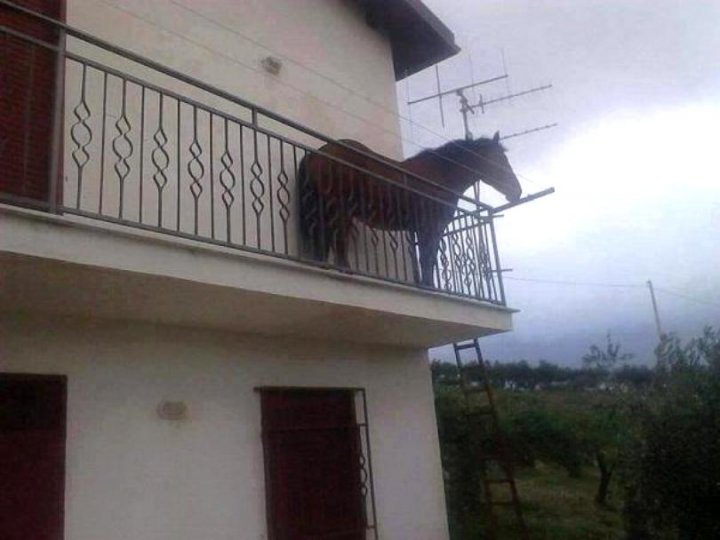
(635, 161)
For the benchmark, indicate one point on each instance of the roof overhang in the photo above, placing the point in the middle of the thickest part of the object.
(418, 38)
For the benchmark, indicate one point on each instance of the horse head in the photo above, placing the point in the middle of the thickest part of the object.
(487, 156)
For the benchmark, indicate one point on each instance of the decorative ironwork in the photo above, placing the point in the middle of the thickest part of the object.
(81, 135)
(360, 222)
(161, 160)
(228, 181)
(446, 274)
(196, 168)
(363, 476)
(457, 258)
(122, 148)
(283, 195)
(471, 267)
(257, 188)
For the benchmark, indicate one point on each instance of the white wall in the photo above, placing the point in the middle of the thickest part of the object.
(133, 476)
(337, 73)
(337, 78)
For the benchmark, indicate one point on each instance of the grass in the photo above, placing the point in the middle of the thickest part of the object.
(557, 507)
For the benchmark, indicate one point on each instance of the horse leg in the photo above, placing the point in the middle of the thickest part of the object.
(411, 239)
(341, 240)
(314, 218)
(342, 222)
(428, 243)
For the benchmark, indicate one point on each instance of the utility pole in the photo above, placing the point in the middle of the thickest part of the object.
(655, 310)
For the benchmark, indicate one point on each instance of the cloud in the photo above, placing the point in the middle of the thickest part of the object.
(635, 161)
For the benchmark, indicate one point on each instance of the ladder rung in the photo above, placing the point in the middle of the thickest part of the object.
(463, 346)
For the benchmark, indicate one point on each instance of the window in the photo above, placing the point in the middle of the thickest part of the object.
(317, 464)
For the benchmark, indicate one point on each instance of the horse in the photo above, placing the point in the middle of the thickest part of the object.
(341, 183)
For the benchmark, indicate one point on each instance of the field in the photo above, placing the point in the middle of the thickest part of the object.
(556, 431)
(557, 507)
(607, 451)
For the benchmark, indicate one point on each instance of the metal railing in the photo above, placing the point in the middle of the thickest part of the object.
(129, 141)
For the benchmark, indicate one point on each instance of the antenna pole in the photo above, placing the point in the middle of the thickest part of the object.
(465, 108)
(655, 310)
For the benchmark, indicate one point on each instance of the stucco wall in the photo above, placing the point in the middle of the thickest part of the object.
(337, 73)
(131, 475)
(131, 153)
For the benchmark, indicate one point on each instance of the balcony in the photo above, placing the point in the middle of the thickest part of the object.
(129, 155)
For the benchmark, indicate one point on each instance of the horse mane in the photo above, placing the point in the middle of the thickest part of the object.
(458, 149)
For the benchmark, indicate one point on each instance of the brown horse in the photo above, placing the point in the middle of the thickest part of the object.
(333, 194)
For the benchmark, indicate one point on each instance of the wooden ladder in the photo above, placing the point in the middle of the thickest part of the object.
(496, 464)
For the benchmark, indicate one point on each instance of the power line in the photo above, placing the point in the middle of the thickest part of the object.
(329, 79)
(688, 298)
(612, 285)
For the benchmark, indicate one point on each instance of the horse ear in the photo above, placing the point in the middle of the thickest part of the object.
(496, 137)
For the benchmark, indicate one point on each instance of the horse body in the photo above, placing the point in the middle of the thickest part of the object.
(336, 190)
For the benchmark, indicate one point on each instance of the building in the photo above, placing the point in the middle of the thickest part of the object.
(171, 365)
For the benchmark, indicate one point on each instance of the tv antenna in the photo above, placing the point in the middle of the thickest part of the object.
(467, 108)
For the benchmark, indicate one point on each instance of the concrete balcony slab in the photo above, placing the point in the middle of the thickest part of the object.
(61, 265)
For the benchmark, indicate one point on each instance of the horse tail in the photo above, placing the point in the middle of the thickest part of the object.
(311, 234)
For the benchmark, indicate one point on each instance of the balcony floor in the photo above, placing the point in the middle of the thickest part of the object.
(69, 266)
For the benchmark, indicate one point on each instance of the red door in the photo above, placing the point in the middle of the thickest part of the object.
(32, 457)
(27, 86)
(312, 454)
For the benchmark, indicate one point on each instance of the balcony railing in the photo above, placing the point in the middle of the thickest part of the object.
(93, 130)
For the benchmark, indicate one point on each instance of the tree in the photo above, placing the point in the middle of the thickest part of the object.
(443, 372)
(605, 359)
(607, 432)
(673, 484)
(701, 353)
(460, 444)
(542, 434)
(634, 377)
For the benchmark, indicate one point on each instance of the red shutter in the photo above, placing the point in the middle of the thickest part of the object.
(312, 456)
(32, 457)
(27, 86)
